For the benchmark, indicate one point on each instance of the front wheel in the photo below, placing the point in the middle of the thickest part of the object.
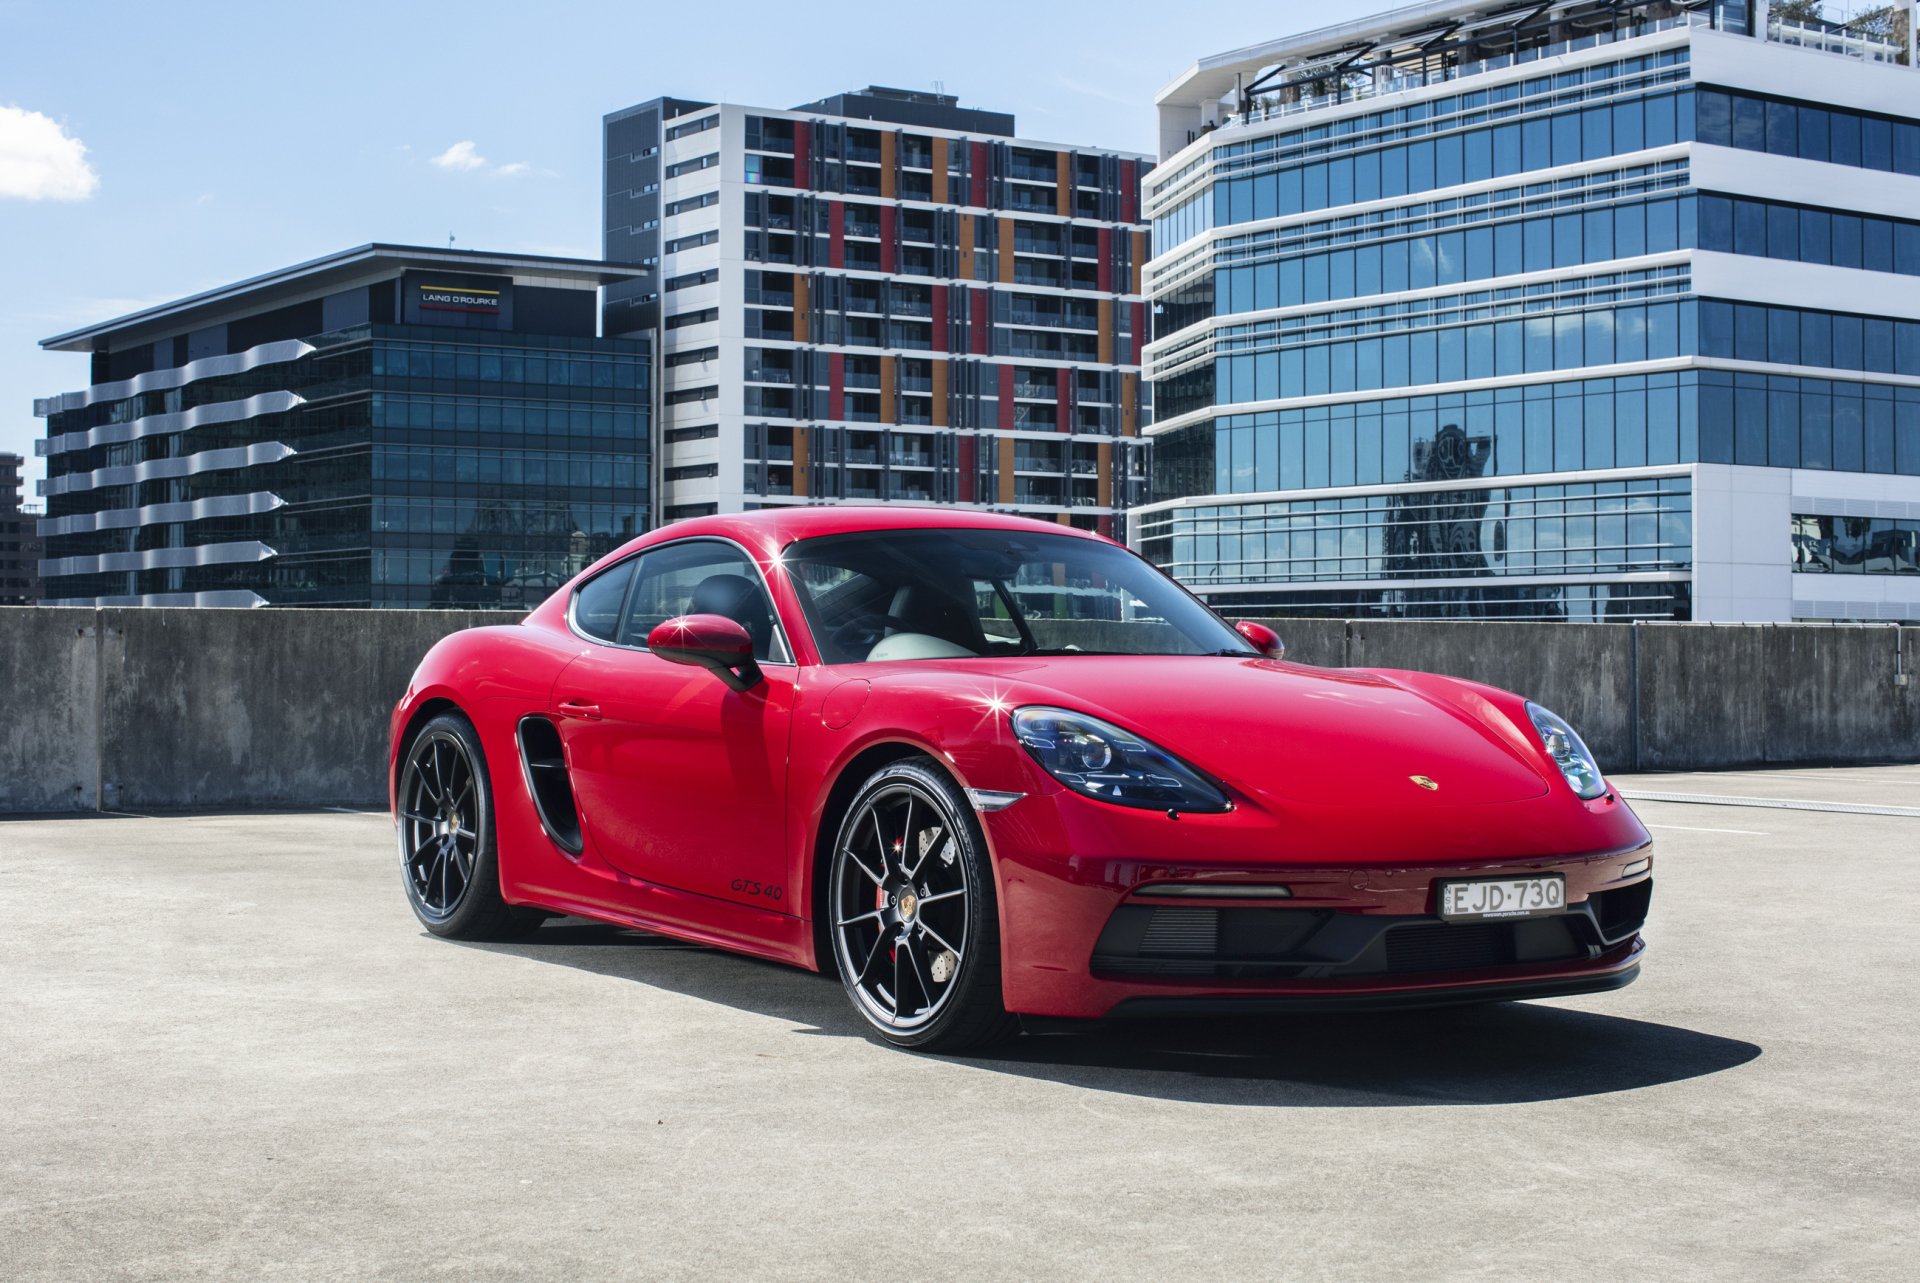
(448, 853)
(913, 919)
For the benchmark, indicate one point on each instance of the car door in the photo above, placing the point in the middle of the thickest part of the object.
(681, 780)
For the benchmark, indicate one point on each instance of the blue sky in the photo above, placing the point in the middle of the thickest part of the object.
(224, 140)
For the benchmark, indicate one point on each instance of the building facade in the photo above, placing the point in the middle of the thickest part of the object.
(389, 426)
(20, 547)
(881, 296)
(1563, 311)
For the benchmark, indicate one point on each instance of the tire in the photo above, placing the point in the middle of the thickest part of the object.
(910, 897)
(449, 861)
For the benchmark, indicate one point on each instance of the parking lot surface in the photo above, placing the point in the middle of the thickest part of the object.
(228, 1051)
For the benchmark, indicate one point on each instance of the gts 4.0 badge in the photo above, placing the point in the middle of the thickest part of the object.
(1424, 782)
(765, 890)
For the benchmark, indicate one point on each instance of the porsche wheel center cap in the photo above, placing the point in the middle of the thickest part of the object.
(907, 903)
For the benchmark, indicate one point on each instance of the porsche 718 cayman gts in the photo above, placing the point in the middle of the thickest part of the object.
(985, 767)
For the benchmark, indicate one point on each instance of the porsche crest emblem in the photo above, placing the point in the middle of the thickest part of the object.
(1424, 783)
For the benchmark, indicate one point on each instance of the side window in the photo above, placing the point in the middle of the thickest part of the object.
(596, 604)
(702, 577)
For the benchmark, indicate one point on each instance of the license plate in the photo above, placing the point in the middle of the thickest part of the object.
(1504, 897)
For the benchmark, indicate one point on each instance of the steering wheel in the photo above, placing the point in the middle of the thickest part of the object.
(861, 633)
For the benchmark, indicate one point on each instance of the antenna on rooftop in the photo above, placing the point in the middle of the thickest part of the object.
(449, 240)
(940, 86)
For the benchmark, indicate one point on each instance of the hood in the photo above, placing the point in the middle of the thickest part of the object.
(1295, 733)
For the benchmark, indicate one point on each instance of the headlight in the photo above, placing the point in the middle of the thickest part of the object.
(1568, 753)
(1102, 761)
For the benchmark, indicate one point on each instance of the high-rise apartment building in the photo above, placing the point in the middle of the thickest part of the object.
(387, 426)
(20, 546)
(1573, 310)
(881, 295)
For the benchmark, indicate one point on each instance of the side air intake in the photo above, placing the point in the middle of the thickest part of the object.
(544, 764)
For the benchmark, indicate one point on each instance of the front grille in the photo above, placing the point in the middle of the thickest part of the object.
(1182, 931)
(1445, 946)
(1253, 943)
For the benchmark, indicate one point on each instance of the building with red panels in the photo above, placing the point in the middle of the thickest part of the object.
(882, 296)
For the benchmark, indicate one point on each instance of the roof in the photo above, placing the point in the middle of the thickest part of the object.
(316, 276)
(771, 528)
(1212, 76)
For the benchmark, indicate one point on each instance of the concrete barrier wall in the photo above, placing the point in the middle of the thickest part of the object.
(1672, 697)
(137, 708)
(131, 709)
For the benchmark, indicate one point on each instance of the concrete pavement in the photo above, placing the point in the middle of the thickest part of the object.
(228, 1051)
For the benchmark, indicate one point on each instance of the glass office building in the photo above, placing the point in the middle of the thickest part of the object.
(1563, 311)
(391, 426)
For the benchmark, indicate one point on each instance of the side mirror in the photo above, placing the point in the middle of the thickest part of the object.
(712, 642)
(1263, 638)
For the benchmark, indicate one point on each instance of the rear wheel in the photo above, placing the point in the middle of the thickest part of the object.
(912, 913)
(448, 856)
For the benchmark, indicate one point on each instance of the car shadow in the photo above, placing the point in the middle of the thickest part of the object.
(1507, 1053)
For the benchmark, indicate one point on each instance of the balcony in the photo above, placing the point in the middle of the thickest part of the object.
(910, 458)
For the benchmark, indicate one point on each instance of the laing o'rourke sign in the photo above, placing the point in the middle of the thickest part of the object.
(458, 298)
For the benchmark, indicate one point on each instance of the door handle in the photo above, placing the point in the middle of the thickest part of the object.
(580, 708)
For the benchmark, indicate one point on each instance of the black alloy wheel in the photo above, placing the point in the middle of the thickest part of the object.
(445, 829)
(914, 927)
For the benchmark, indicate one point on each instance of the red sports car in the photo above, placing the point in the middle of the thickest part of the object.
(985, 767)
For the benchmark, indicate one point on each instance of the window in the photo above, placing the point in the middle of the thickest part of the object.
(704, 432)
(701, 201)
(693, 356)
(693, 166)
(1856, 545)
(699, 317)
(597, 603)
(695, 126)
(930, 594)
(693, 472)
(691, 279)
(702, 577)
(698, 239)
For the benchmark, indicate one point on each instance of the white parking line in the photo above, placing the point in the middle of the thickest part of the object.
(1770, 803)
(1749, 833)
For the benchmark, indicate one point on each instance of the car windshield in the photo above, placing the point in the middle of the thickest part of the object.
(937, 594)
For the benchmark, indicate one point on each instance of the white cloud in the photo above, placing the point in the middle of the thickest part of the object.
(40, 161)
(464, 157)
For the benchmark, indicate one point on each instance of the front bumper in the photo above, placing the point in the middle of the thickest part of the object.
(1088, 937)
